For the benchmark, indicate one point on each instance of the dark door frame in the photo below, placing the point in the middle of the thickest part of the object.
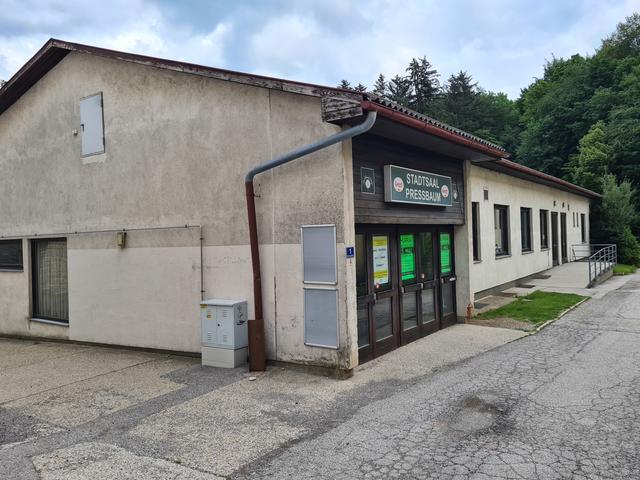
(452, 318)
(563, 238)
(376, 348)
(399, 337)
(35, 286)
(555, 254)
(420, 287)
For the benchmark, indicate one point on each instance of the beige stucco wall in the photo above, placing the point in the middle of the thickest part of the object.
(177, 149)
(516, 193)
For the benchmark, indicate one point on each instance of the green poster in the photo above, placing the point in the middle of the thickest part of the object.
(407, 257)
(445, 253)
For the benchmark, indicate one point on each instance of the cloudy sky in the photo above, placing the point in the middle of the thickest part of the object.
(502, 43)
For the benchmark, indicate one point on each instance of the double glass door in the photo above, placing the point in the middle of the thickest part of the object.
(405, 285)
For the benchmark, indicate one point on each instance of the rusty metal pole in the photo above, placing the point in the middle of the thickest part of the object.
(257, 361)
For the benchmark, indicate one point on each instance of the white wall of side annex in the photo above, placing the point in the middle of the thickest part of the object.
(491, 270)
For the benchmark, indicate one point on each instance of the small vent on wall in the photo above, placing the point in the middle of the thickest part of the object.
(486, 194)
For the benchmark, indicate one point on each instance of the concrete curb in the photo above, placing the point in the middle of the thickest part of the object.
(562, 314)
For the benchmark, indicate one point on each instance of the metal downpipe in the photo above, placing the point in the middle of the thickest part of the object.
(257, 360)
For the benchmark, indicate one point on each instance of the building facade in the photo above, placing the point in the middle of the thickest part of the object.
(123, 207)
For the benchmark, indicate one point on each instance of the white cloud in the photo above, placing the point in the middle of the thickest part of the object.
(502, 43)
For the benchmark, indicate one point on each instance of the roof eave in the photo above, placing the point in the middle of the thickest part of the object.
(54, 50)
(424, 126)
(544, 177)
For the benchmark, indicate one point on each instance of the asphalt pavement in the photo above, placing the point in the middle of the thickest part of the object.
(561, 404)
(468, 402)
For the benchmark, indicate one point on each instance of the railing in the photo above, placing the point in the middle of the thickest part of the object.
(601, 257)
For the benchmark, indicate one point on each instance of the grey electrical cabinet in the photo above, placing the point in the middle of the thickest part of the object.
(224, 332)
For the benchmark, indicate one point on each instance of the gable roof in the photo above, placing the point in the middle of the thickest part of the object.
(54, 50)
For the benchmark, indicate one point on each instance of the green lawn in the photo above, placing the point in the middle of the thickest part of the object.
(536, 307)
(622, 269)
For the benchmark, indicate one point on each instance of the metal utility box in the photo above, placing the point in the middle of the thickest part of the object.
(224, 332)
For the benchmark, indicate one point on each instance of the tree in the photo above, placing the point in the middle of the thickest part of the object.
(458, 102)
(591, 163)
(625, 41)
(400, 90)
(380, 87)
(614, 217)
(360, 88)
(344, 84)
(461, 85)
(423, 79)
(623, 128)
(556, 113)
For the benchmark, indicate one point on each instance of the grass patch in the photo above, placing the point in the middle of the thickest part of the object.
(622, 269)
(537, 307)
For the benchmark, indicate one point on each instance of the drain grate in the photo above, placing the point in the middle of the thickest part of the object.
(480, 305)
(542, 277)
(524, 285)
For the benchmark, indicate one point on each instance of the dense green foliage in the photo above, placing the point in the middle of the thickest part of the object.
(580, 121)
(615, 216)
(536, 307)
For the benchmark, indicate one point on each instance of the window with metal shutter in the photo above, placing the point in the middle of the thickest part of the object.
(92, 125)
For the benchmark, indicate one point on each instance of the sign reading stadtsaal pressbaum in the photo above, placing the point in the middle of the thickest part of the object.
(404, 185)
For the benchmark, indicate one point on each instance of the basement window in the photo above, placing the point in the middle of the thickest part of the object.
(92, 125)
(11, 255)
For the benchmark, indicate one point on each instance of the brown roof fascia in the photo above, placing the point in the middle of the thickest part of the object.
(426, 127)
(55, 50)
(545, 176)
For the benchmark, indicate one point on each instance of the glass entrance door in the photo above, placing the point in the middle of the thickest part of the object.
(447, 278)
(377, 292)
(405, 279)
(418, 305)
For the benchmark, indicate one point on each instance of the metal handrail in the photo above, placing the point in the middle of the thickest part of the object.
(582, 251)
(602, 257)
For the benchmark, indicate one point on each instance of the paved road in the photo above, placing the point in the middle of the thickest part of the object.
(561, 404)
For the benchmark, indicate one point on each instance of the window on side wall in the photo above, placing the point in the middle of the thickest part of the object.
(92, 125)
(544, 228)
(11, 255)
(475, 227)
(525, 229)
(49, 277)
(501, 226)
